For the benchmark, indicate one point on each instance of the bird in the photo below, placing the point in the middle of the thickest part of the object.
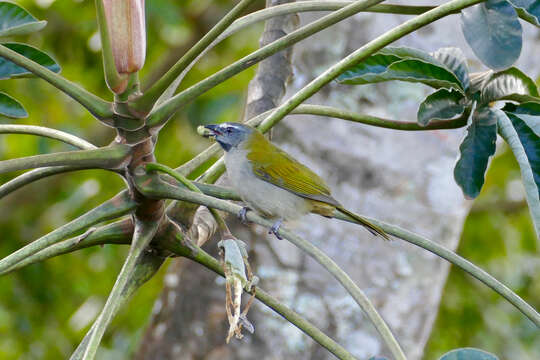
(273, 183)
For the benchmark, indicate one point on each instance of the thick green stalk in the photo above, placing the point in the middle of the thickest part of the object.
(98, 107)
(159, 190)
(188, 184)
(280, 10)
(361, 54)
(119, 205)
(144, 269)
(34, 175)
(103, 158)
(160, 115)
(47, 132)
(144, 233)
(116, 82)
(146, 102)
(152, 187)
(203, 258)
(119, 232)
(457, 260)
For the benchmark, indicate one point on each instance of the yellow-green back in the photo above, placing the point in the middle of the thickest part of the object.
(275, 166)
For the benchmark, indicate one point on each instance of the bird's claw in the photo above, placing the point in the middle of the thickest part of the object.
(275, 229)
(242, 215)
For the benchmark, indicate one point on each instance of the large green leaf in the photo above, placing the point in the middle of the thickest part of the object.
(493, 32)
(455, 60)
(525, 144)
(14, 20)
(531, 7)
(443, 104)
(10, 70)
(402, 63)
(510, 84)
(468, 354)
(10, 107)
(475, 150)
(530, 113)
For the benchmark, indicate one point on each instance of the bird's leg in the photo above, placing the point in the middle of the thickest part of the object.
(275, 229)
(242, 215)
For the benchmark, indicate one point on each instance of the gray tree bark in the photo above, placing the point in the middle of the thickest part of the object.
(400, 177)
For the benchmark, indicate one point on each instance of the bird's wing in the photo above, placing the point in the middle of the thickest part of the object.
(275, 166)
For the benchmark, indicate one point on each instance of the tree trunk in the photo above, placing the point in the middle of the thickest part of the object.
(405, 178)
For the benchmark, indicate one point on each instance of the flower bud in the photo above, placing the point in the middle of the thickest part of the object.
(127, 32)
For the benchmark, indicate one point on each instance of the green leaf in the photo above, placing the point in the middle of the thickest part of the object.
(454, 59)
(468, 354)
(14, 20)
(530, 113)
(493, 32)
(531, 7)
(525, 144)
(11, 108)
(443, 104)
(10, 70)
(509, 84)
(475, 150)
(404, 64)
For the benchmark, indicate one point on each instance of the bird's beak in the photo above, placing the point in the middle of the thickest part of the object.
(212, 131)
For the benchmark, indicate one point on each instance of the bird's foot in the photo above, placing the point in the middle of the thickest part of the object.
(242, 215)
(275, 229)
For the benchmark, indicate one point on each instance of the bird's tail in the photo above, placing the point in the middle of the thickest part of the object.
(372, 228)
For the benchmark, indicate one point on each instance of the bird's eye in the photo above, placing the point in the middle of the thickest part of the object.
(228, 130)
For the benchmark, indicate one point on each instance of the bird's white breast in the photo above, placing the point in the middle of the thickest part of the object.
(260, 195)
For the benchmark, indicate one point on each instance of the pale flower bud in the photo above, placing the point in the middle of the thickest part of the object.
(127, 32)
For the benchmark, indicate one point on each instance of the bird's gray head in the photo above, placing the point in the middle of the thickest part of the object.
(229, 134)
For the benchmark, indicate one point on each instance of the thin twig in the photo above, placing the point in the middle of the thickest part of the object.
(47, 132)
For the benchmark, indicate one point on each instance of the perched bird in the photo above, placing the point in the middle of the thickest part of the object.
(272, 182)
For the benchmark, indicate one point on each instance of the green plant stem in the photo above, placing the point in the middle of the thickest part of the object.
(34, 175)
(280, 10)
(98, 107)
(361, 54)
(457, 260)
(188, 184)
(203, 258)
(152, 188)
(145, 268)
(146, 102)
(160, 115)
(160, 190)
(103, 158)
(118, 232)
(114, 80)
(144, 233)
(119, 205)
(47, 132)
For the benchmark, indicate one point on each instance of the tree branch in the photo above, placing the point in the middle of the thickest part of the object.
(102, 158)
(160, 115)
(98, 107)
(119, 205)
(47, 132)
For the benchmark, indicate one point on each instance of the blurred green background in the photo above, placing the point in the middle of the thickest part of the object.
(45, 309)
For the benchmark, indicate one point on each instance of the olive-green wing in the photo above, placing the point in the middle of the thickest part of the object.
(275, 166)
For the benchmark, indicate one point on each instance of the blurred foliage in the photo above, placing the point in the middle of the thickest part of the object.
(46, 309)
